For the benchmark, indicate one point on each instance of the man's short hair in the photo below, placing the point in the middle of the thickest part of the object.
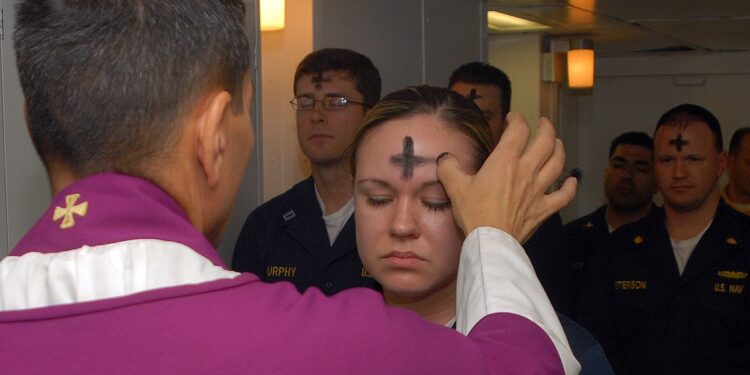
(736, 142)
(684, 113)
(482, 73)
(631, 138)
(356, 65)
(107, 81)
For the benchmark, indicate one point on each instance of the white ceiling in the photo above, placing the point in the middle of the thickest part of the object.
(626, 27)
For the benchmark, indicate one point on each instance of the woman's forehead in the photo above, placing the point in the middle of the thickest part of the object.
(411, 143)
(410, 137)
(407, 159)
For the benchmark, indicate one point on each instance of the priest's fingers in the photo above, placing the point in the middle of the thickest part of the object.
(455, 182)
(513, 141)
(508, 190)
(541, 147)
(552, 168)
(494, 196)
(562, 197)
(547, 205)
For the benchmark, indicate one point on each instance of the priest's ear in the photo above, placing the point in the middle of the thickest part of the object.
(211, 134)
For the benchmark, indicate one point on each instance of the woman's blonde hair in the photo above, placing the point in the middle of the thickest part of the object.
(453, 109)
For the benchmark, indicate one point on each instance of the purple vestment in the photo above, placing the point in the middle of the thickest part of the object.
(238, 325)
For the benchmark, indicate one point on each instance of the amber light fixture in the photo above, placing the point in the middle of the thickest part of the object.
(581, 68)
(271, 15)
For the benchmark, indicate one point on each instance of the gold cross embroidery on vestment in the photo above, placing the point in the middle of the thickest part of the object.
(71, 208)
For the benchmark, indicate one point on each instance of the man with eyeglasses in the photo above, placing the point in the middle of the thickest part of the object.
(306, 235)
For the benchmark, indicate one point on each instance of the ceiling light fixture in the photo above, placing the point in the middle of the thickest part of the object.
(501, 22)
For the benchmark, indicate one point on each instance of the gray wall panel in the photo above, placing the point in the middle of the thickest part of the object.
(389, 32)
(410, 41)
(454, 32)
(27, 190)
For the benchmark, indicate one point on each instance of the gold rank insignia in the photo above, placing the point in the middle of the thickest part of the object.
(71, 209)
(731, 241)
(733, 274)
(638, 240)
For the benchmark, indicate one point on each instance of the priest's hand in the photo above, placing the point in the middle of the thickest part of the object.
(508, 192)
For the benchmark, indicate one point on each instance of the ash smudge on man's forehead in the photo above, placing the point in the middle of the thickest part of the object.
(318, 79)
(473, 95)
(407, 160)
(679, 142)
(323, 77)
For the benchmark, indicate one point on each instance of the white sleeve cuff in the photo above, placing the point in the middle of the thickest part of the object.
(495, 275)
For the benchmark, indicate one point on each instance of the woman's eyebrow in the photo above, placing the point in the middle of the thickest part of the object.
(431, 183)
(375, 181)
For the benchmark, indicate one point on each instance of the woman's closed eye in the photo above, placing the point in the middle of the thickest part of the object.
(378, 201)
(437, 204)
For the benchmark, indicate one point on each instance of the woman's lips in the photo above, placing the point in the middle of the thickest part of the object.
(403, 259)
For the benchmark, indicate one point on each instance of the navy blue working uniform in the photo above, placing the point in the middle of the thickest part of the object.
(586, 349)
(547, 249)
(652, 320)
(585, 234)
(285, 239)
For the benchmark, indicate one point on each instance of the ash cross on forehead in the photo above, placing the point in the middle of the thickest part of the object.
(407, 160)
(473, 95)
(679, 142)
(318, 78)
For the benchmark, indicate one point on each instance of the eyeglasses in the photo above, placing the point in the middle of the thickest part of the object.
(330, 103)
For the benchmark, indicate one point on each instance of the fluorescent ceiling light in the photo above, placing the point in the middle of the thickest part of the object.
(501, 22)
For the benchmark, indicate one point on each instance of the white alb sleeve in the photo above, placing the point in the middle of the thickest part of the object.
(495, 275)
